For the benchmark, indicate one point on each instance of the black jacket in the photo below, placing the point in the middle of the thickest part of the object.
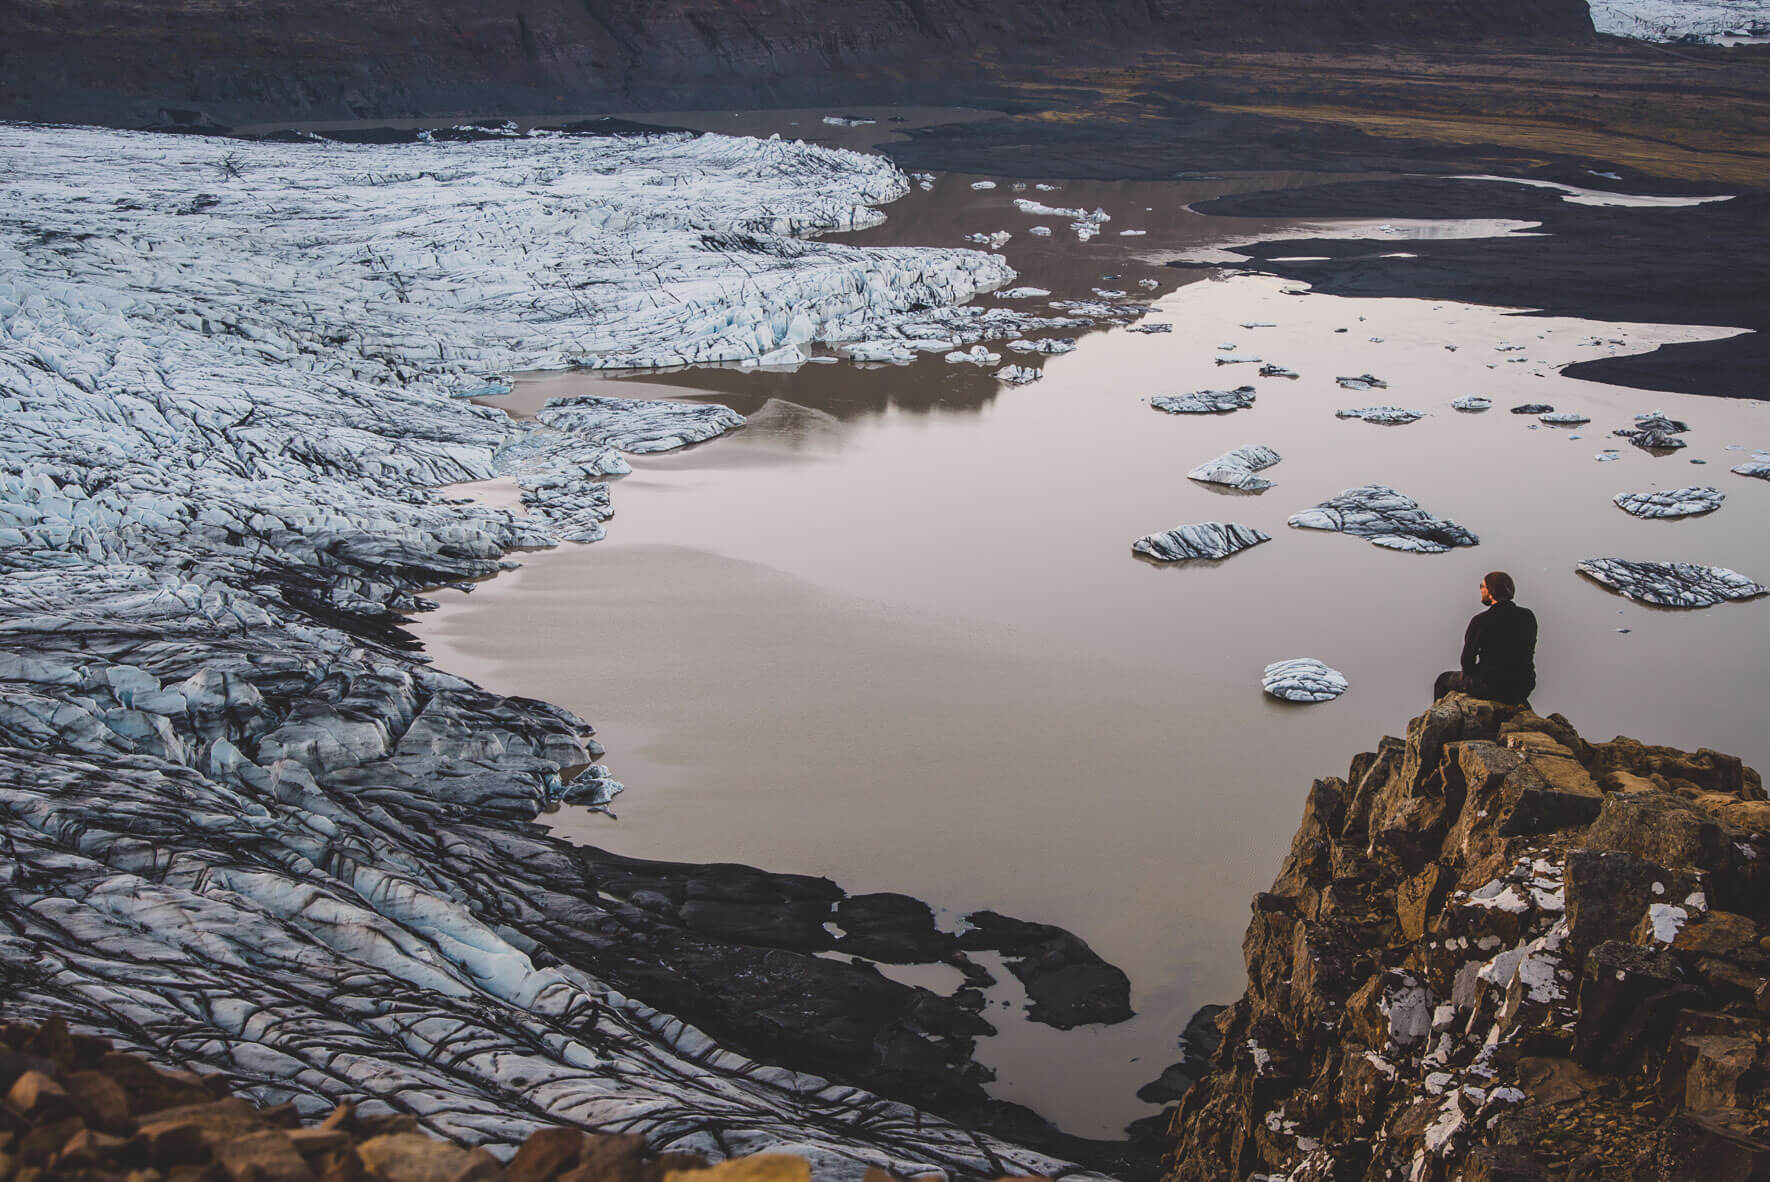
(1499, 652)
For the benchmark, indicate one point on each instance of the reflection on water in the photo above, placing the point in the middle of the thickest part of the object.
(892, 630)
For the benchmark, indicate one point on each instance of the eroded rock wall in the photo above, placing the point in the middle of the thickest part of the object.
(1496, 950)
(122, 60)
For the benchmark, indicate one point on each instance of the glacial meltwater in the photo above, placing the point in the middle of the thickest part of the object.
(892, 631)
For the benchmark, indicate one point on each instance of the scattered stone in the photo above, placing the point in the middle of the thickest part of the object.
(1204, 402)
(1209, 539)
(1302, 679)
(1671, 584)
(1386, 518)
(1676, 502)
(1236, 468)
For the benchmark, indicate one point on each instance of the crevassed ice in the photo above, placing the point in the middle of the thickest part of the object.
(246, 829)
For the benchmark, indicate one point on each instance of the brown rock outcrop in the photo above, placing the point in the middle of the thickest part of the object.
(1497, 951)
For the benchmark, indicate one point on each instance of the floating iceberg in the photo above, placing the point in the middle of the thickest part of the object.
(1472, 402)
(1204, 402)
(1386, 518)
(1044, 345)
(1303, 679)
(1236, 468)
(1671, 584)
(1363, 381)
(1019, 375)
(1208, 539)
(1392, 415)
(1565, 418)
(1153, 326)
(1675, 502)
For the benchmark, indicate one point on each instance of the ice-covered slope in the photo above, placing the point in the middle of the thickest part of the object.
(240, 827)
(1673, 20)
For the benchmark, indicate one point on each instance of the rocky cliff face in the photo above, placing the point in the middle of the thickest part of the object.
(124, 60)
(1498, 951)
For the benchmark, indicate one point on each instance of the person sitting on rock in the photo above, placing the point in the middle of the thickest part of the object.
(1499, 648)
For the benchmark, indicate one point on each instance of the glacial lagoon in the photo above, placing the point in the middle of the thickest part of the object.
(892, 631)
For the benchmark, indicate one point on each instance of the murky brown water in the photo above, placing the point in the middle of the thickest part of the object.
(892, 631)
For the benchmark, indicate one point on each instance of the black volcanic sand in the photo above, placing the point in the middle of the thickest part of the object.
(1698, 264)
(1702, 264)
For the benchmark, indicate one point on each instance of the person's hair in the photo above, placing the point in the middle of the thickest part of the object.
(1499, 585)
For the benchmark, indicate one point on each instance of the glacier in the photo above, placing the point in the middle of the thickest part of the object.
(244, 827)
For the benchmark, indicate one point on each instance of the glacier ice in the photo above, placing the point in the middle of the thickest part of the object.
(1671, 502)
(253, 833)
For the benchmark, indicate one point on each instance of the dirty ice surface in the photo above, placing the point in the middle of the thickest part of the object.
(238, 836)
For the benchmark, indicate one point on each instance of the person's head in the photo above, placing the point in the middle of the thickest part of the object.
(1497, 587)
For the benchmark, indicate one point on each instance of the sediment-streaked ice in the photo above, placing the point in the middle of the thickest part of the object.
(1671, 584)
(1392, 415)
(1204, 402)
(1386, 518)
(1207, 539)
(1672, 502)
(1236, 468)
(246, 828)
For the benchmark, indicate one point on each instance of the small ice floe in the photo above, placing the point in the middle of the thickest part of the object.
(1022, 293)
(1132, 233)
(1040, 231)
(1204, 402)
(1274, 370)
(1226, 346)
(1236, 468)
(1258, 324)
(1508, 348)
(847, 121)
(1108, 293)
(1676, 502)
(1165, 326)
(1207, 539)
(1759, 467)
(924, 179)
(1149, 284)
(492, 389)
(893, 351)
(975, 355)
(1303, 679)
(1654, 432)
(1363, 381)
(1389, 415)
(1017, 187)
(1039, 209)
(1237, 360)
(1084, 230)
(982, 186)
(1019, 375)
(1044, 188)
(1044, 345)
(1533, 408)
(1472, 402)
(1607, 455)
(1565, 418)
(1385, 518)
(1376, 340)
(1671, 584)
(994, 241)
